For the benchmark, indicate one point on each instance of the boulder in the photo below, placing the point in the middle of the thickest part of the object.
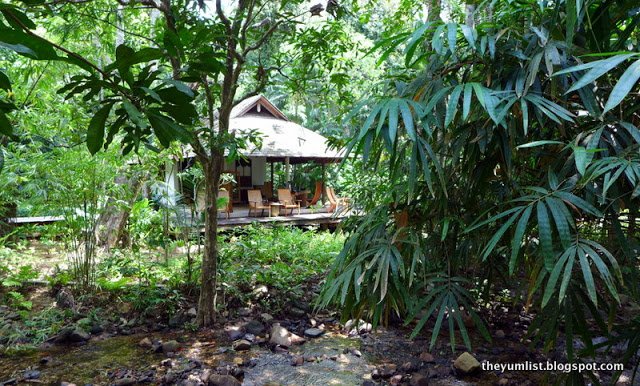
(466, 363)
(427, 357)
(222, 380)
(313, 332)
(145, 343)
(170, 346)
(281, 336)
(254, 327)
(72, 335)
(242, 345)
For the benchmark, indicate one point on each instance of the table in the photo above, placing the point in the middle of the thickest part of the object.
(274, 209)
(303, 198)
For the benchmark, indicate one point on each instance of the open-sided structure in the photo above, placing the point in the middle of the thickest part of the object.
(282, 141)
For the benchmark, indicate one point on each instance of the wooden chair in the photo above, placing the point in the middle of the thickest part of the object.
(201, 203)
(267, 190)
(256, 202)
(286, 199)
(317, 194)
(335, 201)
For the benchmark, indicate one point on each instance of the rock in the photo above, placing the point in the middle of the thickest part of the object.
(281, 336)
(466, 363)
(31, 374)
(297, 361)
(96, 329)
(297, 312)
(266, 317)
(387, 370)
(361, 327)
(124, 308)
(65, 300)
(396, 379)
(127, 381)
(254, 327)
(242, 345)
(72, 335)
(234, 332)
(250, 337)
(244, 311)
(355, 352)
(313, 332)
(167, 363)
(427, 357)
(177, 320)
(67, 384)
(145, 343)
(503, 382)
(419, 380)
(409, 367)
(170, 346)
(192, 312)
(500, 334)
(238, 361)
(222, 380)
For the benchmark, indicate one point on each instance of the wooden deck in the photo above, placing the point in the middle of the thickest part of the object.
(34, 220)
(240, 217)
(303, 219)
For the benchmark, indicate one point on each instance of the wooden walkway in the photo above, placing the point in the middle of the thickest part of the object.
(322, 219)
(239, 218)
(34, 220)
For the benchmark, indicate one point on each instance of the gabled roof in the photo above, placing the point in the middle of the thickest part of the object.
(257, 103)
(281, 138)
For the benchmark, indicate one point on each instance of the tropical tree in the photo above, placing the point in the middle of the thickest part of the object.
(511, 154)
(191, 65)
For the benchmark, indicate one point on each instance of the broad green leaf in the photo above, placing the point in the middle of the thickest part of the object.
(553, 278)
(632, 130)
(539, 143)
(95, 132)
(587, 275)
(452, 106)
(407, 118)
(516, 242)
(601, 68)
(466, 104)
(544, 232)
(413, 43)
(579, 202)
(5, 125)
(167, 130)
(498, 235)
(5, 84)
(560, 220)
(580, 156)
(135, 115)
(624, 86)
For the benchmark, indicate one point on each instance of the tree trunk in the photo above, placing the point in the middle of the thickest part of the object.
(206, 304)
(112, 223)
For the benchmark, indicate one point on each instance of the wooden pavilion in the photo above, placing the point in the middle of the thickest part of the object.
(282, 141)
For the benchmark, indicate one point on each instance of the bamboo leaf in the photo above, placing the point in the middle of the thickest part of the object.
(601, 68)
(544, 232)
(624, 86)
(517, 238)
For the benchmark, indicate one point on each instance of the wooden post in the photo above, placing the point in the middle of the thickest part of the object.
(273, 185)
(324, 178)
(286, 172)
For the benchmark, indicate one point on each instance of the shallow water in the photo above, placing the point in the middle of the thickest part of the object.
(89, 363)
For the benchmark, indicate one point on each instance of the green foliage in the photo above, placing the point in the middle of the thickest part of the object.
(282, 258)
(503, 153)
